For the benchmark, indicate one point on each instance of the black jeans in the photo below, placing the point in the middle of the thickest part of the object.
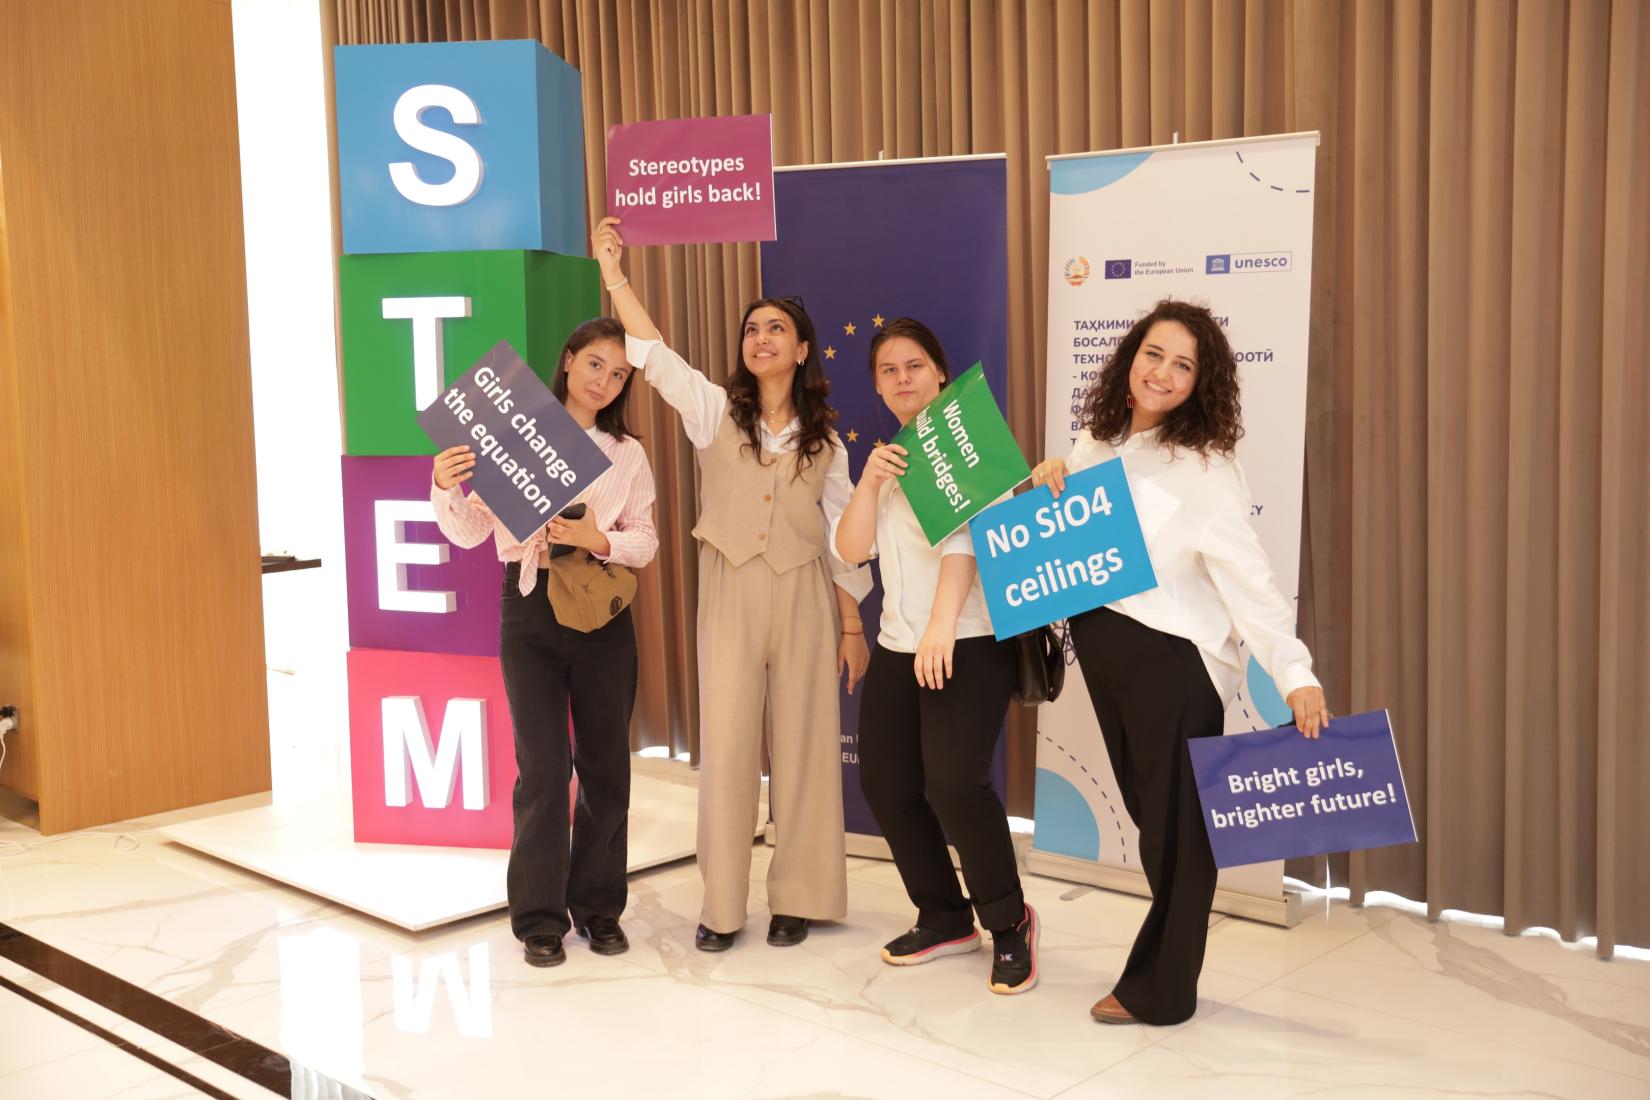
(1152, 694)
(547, 667)
(925, 767)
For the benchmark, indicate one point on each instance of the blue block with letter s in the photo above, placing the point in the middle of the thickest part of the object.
(459, 147)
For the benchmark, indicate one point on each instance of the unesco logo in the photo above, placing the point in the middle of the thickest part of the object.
(1247, 263)
(1119, 269)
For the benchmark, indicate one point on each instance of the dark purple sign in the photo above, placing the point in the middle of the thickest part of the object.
(532, 457)
(692, 180)
(409, 588)
(1273, 794)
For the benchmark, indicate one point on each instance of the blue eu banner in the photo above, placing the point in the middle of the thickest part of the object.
(863, 244)
(459, 147)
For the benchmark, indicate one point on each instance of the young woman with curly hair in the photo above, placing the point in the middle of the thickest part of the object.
(1161, 666)
(778, 613)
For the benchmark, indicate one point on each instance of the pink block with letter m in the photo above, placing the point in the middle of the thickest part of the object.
(432, 751)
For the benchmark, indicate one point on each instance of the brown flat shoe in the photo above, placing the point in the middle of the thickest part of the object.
(1109, 1010)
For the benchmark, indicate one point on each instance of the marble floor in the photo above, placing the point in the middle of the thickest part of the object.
(1370, 1002)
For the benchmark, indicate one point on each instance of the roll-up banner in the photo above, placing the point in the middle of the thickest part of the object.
(1227, 224)
(864, 243)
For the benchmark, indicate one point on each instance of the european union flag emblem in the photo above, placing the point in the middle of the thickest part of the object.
(1119, 269)
(863, 245)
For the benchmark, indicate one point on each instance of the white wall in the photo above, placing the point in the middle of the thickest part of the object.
(286, 195)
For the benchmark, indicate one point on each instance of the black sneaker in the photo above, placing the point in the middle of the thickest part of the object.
(1014, 956)
(605, 936)
(922, 945)
(543, 950)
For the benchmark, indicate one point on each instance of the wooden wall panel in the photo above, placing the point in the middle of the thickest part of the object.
(20, 769)
(128, 283)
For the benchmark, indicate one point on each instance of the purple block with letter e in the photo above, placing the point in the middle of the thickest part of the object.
(692, 180)
(408, 587)
(1274, 794)
(532, 457)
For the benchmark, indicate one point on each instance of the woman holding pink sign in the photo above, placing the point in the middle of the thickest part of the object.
(935, 698)
(1161, 666)
(778, 614)
(551, 666)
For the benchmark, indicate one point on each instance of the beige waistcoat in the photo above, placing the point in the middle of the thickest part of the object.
(754, 508)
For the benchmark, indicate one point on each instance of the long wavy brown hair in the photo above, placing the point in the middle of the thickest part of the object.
(810, 389)
(1210, 420)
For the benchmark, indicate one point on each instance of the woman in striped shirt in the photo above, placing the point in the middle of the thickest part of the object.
(548, 666)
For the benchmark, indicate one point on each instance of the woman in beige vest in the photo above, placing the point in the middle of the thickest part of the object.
(778, 614)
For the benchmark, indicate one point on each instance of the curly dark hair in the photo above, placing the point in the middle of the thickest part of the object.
(918, 333)
(810, 389)
(1210, 420)
(610, 419)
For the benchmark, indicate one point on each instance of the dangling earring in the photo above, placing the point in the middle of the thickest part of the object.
(1129, 400)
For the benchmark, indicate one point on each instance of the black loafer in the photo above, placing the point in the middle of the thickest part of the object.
(706, 940)
(786, 931)
(543, 951)
(605, 936)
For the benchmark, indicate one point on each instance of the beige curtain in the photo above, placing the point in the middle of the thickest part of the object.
(1477, 484)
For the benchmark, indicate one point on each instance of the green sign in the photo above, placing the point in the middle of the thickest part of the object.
(962, 456)
(413, 323)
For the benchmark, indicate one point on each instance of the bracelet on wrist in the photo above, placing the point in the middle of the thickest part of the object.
(615, 286)
(855, 633)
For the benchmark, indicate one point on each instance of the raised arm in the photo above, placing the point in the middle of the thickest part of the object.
(700, 402)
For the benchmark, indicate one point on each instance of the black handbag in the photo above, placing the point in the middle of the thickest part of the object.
(1040, 665)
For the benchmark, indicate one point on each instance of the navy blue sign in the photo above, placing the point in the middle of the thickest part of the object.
(1042, 560)
(1273, 794)
(532, 457)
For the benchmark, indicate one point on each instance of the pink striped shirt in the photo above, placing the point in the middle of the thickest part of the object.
(621, 500)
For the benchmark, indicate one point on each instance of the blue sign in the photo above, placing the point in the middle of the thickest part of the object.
(532, 457)
(1274, 794)
(459, 147)
(1042, 559)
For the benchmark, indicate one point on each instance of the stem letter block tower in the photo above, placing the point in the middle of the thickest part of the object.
(461, 187)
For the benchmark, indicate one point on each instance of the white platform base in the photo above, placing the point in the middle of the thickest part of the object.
(416, 887)
(1284, 910)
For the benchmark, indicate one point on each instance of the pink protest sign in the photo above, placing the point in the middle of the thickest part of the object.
(692, 180)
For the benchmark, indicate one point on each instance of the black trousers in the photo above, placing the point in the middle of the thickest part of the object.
(925, 767)
(1152, 693)
(547, 667)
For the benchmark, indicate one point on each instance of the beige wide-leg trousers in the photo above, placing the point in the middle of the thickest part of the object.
(767, 646)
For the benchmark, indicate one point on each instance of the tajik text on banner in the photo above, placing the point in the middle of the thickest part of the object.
(1227, 224)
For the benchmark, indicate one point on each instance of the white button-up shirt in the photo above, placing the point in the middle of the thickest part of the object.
(1214, 584)
(701, 404)
(911, 574)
